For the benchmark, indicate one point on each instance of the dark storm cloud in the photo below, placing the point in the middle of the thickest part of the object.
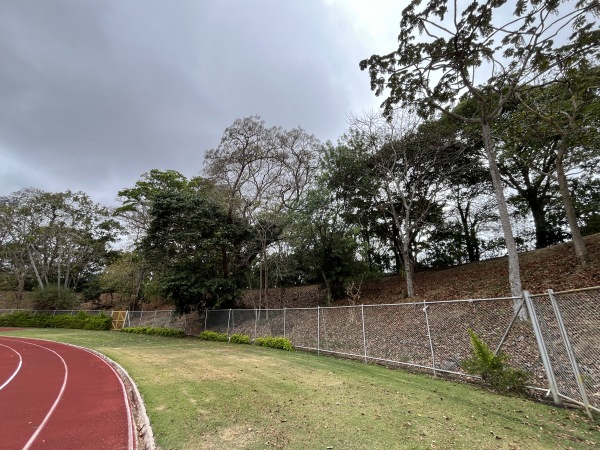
(96, 93)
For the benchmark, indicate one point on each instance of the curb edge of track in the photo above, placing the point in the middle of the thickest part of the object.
(145, 436)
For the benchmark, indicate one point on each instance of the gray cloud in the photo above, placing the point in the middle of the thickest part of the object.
(96, 93)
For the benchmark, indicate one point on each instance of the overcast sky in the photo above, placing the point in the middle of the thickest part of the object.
(95, 93)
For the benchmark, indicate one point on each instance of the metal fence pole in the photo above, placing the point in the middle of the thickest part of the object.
(228, 321)
(512, 322)
(572, 360)
(256, 314)
(154, 321)
(205, 319)
(430, 341)
(542, 347)
(362, 310)
(318, 330)
(283, 322)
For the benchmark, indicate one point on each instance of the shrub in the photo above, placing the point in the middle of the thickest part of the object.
(52, 297)
(275, 342)
(155, 331)
(81, 321)
(213, 336)
(493, 368)
(239, 339)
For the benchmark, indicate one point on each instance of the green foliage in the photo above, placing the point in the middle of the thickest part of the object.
(81, 321)
(52, 297)
(239, 339)
(54, 238)
(190, 248)
(92, 290)
(493, 368)
(275, 342)
(213, 336)
(155, 331)
(327, 248)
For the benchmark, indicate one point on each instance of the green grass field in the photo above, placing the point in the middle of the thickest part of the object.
(208, 395)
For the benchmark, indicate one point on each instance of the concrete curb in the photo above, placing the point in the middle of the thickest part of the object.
(145, 436)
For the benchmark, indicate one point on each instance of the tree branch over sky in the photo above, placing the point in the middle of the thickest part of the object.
(484, 50)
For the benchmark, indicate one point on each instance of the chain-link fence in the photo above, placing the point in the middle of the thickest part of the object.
(159, 319)
(559, 343)
(568, 325)
(427, 335)
(560, 352)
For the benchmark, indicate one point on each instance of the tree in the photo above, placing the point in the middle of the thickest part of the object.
(525, 161)
(566, 103)
(412, 166)
(54, 238)
(352, 181)
(184, 248)
(134, 212)
(458, 45)
(264, 174)
(325, 244)
(122, 276)
(137, 201)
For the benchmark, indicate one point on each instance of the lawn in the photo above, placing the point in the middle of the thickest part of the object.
(208, 395)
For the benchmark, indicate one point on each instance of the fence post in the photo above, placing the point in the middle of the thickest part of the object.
(284, 322)
(542, 347)
(154, 321)
(228, 321)
(570, 353)
(205, 319)
(256, 314)
(430, 341)
(318, 330)
(362, 310)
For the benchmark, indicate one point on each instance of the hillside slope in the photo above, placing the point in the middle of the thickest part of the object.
(549, 268)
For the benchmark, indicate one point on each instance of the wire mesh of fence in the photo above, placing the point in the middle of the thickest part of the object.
(570, 327)
(428, 335)
(157, 319)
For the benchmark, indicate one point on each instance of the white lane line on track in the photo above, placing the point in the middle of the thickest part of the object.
(16, 370)
(55, 404)
(130, 441)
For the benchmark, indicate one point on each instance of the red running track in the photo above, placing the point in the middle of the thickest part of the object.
(54, 396)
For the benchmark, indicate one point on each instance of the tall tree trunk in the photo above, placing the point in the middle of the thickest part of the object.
(578, 243)
(35, 270)
(328, 286)
(397, 247)
(67, 274)
(470, 236)
(543, 230)
(408, 268)
(514, 273)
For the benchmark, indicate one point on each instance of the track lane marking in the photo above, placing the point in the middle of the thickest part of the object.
(55, 404)
(130, 440)
(16, 370)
